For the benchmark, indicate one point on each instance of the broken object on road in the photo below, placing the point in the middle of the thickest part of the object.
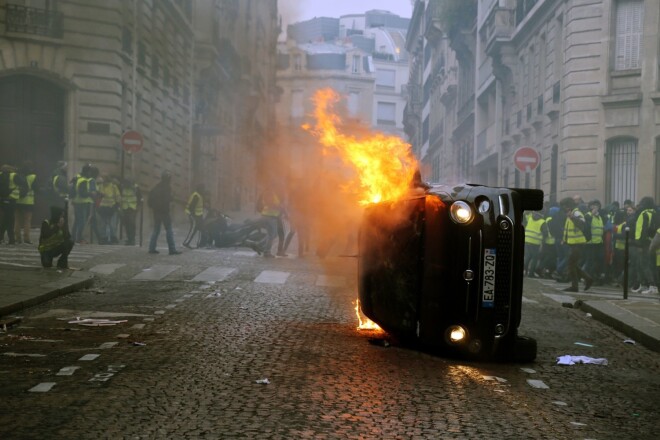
(572, 360)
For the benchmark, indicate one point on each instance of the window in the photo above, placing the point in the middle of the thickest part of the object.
(386, 115)
(622, 169)
(386, 78)
(628, 44)
(353, 100)
(356, 64)
(297, 62)
(297, 107)
(127, 41)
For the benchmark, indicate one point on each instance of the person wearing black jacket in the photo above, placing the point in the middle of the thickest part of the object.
(55, 239)
(159, 201)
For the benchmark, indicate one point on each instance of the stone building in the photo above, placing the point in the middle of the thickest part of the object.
(74, 76)
(576, 81)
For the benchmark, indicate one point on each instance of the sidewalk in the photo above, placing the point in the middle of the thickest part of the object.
(22, 287)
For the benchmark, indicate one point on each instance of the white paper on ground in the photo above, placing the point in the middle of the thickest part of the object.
(572, 360)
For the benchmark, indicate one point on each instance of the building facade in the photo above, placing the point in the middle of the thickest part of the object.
(575, 81)
(74, 77)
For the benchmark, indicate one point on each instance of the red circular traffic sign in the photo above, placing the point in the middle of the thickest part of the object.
(132, 141)
(526, 159)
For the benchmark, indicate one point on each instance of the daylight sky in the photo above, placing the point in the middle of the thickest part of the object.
(298, 10)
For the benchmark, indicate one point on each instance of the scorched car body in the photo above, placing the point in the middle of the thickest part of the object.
(443, 269)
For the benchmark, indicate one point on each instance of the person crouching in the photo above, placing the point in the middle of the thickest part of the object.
(55, 239)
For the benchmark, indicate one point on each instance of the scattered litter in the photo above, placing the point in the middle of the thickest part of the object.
(89, 322)
(238, 288)
(560, 403)
(572, 360)
(583, 344)
(10, 322)
(537, 384)
(380, 342)
(528, 370)
(123, 335)
(96, 290)
(106, 345)
(578, 424)
(214, 295)
(629, 341)
(138, 344)
(263, 381)
(499, 391)
(588, 315)
(499, 379)
(24, 355)
(89, 357)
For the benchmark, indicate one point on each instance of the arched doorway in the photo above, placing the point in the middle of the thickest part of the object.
(32, 128)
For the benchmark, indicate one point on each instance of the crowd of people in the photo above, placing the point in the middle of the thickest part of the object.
(575, 241)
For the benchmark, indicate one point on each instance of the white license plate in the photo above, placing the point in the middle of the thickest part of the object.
(488, 286)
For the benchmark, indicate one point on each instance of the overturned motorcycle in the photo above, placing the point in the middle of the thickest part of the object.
(220, 231)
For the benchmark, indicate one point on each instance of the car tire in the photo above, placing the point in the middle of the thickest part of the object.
(524, 349)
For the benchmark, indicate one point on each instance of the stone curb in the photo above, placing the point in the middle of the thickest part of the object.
(39, 294)
(646, 333)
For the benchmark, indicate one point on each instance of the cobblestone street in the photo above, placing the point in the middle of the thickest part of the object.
(292, 322)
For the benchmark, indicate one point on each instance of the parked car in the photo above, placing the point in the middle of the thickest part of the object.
(443, 269)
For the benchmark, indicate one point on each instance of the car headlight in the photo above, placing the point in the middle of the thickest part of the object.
(461, 212)
(456, 334)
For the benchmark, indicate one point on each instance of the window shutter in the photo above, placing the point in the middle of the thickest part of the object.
(628, 34)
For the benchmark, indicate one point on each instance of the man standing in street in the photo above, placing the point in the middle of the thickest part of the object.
(160, 198)
(131, 198)
(576, 240)
(195, 211)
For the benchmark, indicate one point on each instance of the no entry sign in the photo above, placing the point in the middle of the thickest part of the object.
(132, 141)
(526, 159)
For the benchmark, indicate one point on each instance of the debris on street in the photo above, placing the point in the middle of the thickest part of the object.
(572, 360)
(89, 322)
(263, 381)
(629, 341)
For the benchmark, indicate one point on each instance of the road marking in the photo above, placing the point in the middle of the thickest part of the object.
(529, 301)
(528, 370)
(159, 312)
(106, 269)
(123, 335)
(330, 281)
(42, 387)
(561, 299)
(148, 319)
(106, 345)
(67, 371)
(138, 326)
(24, 355)
(156, 272)
(560, 403)
(214, 273)
(170, 306)
(89, 357)
(189, 295)
(537, 384)
(499, 379)
(272, 277)
(245, 254)
(103, 377)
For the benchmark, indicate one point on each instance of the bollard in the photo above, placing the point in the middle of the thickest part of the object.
(625, 264)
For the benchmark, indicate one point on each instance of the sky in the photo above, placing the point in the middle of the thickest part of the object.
(299, 10)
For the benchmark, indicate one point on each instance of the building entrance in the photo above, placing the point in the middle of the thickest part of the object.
(32, 128)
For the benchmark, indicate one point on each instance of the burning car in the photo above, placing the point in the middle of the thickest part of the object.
(442, 269)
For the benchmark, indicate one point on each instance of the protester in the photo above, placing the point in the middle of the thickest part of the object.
(594, 261)
(12, 185)
(110, 200)
(535, 235)
(81, 193)
(55, 239)
(645, 228)
(269, 205)
(25, 203)
(575, 238)
(159, 201)
(195, 211)
(131, 198)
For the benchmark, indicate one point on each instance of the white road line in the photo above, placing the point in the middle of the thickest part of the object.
(272, 277)
(107, 345)
(34, 355)
(67, 371)
(528, 370)
(106, 269)
(214, 273)
(138, 326)
(170, 306)
(89, 357)
(330, 281)
(42, 387)
(159, 312)
(156, 272)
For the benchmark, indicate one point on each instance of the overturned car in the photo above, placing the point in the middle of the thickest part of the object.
(443, 269)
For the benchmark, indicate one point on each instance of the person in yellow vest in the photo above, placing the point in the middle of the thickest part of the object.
(576, 240)
(131, 198)
(195, 211)
(12, 186)
(55, 239)
(59, 187)
(548, 256)
(25, 203)
(81, 197)
(269, 205)
(110, 199)
(645, 227)
(535, 234)
(594, 261)
(654, 249)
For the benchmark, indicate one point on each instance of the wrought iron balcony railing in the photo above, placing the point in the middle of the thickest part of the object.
(24, 19)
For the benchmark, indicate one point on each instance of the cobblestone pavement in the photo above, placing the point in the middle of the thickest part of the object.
(186, 363)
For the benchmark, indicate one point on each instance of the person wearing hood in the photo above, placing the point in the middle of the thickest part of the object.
(55, 239)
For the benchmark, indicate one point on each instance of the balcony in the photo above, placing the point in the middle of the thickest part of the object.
(486, 142)
(26, 20)
(499, 25)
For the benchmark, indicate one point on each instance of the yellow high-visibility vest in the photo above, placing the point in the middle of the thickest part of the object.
(199, 207)
(110, 193)
(573, 234)
(640, 222)
(29, 197)
(129, 198)
(549, 238)
(14, 192)
(533, 233)
(596, 229)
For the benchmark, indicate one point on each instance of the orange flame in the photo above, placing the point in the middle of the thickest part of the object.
(366, 323)
(384, 164)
